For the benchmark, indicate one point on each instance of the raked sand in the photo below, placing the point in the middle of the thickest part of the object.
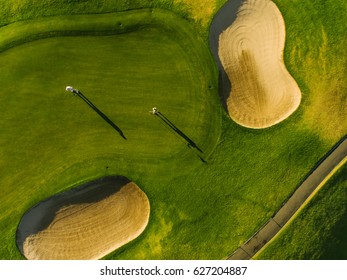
(92, 230)
(251, 51)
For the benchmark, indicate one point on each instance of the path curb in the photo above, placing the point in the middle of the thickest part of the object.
(315, 178)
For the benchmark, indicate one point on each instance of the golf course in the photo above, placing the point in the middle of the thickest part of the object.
(199, 175)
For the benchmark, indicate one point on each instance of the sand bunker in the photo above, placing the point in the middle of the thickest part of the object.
(92, 230)
(251, 51)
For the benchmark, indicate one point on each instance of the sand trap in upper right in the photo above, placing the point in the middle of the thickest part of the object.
(251, 51)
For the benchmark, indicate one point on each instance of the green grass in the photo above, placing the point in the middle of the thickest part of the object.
(51, 141)
(209, 213)
(316, 55)
(319, 231)
(269, 164)
(199, 13)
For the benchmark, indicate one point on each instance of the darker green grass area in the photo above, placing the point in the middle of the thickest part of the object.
(319, 231)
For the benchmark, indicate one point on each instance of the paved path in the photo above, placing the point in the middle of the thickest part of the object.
(316, 177)
(223, 19)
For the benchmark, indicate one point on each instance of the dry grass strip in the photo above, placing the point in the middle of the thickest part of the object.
(251, 51)
(92, 230)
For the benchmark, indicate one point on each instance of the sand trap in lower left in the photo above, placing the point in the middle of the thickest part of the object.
(92, 230)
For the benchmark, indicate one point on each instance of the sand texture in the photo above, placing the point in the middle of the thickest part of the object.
(92, 230)
(263, 93)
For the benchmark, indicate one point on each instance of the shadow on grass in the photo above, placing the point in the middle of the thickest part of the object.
(179, 132)
(335, 247)
(191, 144)
(101, 114)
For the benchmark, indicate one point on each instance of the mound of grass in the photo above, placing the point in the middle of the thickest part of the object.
(319, 231)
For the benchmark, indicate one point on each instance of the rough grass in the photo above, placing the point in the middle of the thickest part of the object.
(198, 12)
(319, 231)
(197, 210)
(316, 54)
(219, 207)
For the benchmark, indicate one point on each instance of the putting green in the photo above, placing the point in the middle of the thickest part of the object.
(247, 176)
(125, 63)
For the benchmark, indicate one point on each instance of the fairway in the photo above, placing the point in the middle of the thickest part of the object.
(210, 182)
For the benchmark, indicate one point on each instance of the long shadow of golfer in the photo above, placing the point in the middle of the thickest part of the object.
(101, 114)
(178, 131)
